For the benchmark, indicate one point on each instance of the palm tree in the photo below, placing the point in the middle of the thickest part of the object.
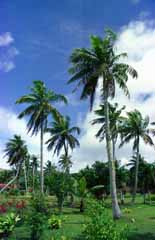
(115, 120)
(97, 64)
(62, 135)
(133, 161)
(16, 151)
(65, 163)
(48, 167)
(39, 108)
(34, 165)
(82, 191)
(145, 173)
(26, 165)
(135, 127)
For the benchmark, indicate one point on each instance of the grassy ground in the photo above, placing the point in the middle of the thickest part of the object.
(140, 217)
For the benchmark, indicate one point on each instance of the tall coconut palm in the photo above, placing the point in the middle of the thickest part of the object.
(48, 167)
(16, 152)
(40, 106)
(100, 63)
(62, 135)
(65, 163)
(135, 127)
(133, 160)
(34, 165)
(115, 120)
(26, 165)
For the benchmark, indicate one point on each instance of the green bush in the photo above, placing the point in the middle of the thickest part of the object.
(38, 203)
(55, 222)
(127, 210)
(36, 224)
(14, 192)
(7, 224)
(37, 218)
(101, 226)
(152, 198)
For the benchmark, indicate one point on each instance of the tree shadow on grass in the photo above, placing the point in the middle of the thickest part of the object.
(138, 236)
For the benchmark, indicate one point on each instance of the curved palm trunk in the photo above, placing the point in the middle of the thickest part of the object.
(25, 177)
(41, 160)
(136, 173)
(12, 180)
(115, 207)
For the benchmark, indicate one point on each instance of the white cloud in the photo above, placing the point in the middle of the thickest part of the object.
(10, 125)
(7, 66)
(7, 52)
(72, 99)
(138, 40)
(6, 39)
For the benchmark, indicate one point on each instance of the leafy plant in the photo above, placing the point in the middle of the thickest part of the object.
(36, 223)
(55, 222)
(82, 191)
(59, 187)
(101, 226)
(38, 203)
(2, 209)
(37, 217)
(14, 192)
(127, 210)
(7, 224)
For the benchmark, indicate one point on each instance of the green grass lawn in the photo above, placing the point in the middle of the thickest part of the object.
(141, 221)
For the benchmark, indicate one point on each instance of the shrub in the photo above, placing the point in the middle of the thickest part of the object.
(55, 222)
(37, 216)
(3, 209)
(10, 203)
(60, 238)
(7, 224)
(127, 210)
(38, 203)
(101, 226)
(14, 192)
(36, 222)
(21, 204)
(152, 198)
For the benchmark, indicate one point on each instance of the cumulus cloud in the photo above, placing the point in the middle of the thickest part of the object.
(6, 39)
(137, 39)
(10, 125)
(7, 52)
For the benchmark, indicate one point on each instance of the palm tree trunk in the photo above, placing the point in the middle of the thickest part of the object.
(136, 173)
(81, 205)
(113, 148)
(115, 207)
(66, 149)
(144, 197)
(25, 176)
(41, 159)
(33, 170)
(12, 180)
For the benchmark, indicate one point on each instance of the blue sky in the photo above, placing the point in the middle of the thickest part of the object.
(45, 32)
(38, 37)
